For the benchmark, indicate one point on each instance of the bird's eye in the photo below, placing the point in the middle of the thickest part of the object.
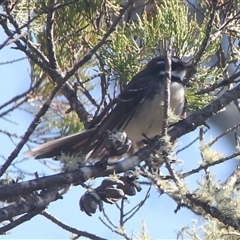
(177, 65)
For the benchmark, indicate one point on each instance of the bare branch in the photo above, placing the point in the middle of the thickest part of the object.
(20, 220)
(135, 209)
(223, 134)
(49, 34)
(118, 230)
(180, 128)
(16, 106)
(88, 56)
(222, 83)
(233, 180)
(205, 166)
(30, 130)
(35, 201)
(167, 80)
(188, 145)
(198, 118)
(70, 229)
(16, 98)
(13, 61)
(208, 31)
(76, 176)
(86, 92)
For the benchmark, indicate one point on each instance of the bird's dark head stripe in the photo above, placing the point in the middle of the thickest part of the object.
(159, 63)
(157, 66)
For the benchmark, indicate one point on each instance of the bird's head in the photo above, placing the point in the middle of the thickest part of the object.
(179, 68)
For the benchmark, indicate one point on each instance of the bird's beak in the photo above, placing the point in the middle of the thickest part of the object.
(190, 68)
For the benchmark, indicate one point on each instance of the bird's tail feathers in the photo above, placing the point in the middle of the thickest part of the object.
(66, 144)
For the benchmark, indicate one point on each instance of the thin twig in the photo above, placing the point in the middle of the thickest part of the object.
(30, 129)
(168, 69)
(86, 92)
(166, 86)
(205, 166)
(31, 89)
(223, 134)
(49, 34)
(16, 106)
(208, 31)
(121, 222)
(190, 144)
(70, 229)
(233, 180)
(108, 219)
(13, 61)
(222, 83)
(20, 220)
(89, 55)
(113, 227)
(135, 209)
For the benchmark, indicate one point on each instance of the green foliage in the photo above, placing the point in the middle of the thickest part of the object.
(30, 9)
(196, 102)
(177, 24)
(70, 124)
(74, 31)
(80, 25)
(137, 40)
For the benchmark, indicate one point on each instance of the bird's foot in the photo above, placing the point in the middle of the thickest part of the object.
(148, 140)
(116, 143)
(103, 163)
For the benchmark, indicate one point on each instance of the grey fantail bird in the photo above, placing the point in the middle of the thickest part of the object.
(137, 111)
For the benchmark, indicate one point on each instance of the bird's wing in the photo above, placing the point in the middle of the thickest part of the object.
(124, 108)
(115, 116)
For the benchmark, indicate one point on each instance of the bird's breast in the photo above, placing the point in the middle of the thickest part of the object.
(148, 118)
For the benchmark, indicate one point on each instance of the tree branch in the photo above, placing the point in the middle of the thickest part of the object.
(20, 220)
(180, 128)
(76, 176)
(37, 201)
(69, 228)
(198, 118)
(30, 130)
(49, 34)
(208, 33)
